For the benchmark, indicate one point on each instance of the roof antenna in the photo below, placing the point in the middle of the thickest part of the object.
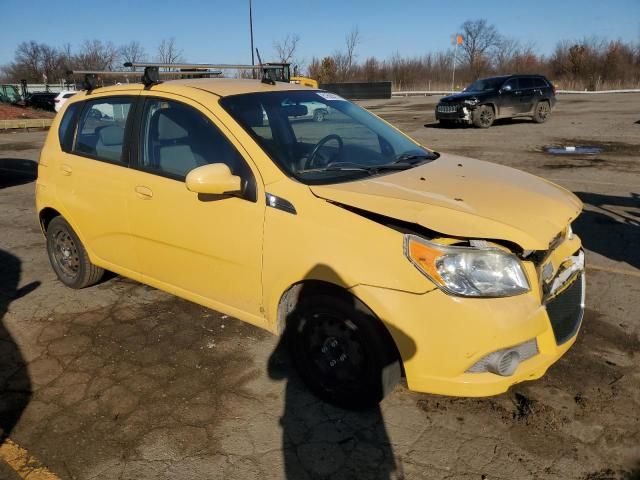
(266, 72)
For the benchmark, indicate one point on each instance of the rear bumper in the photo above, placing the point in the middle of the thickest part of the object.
(440, 337)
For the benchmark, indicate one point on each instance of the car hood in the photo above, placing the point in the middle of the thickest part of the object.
(463, 197)
(460, 97)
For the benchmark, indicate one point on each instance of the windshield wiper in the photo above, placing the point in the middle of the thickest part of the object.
(356, 167)
(408, 157)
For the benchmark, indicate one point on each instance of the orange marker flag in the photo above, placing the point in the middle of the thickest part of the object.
(458, 39)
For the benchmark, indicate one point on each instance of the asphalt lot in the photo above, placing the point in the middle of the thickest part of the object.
(121, 381)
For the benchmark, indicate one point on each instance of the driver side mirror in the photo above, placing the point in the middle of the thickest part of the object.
(213, 179)
(506, 88)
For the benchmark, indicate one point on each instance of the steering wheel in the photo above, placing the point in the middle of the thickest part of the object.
(311, 160)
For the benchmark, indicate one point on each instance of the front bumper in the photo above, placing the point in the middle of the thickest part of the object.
(440, 337)
(458, 113)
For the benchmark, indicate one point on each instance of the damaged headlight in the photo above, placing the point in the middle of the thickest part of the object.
(468, 271)
(471, 101)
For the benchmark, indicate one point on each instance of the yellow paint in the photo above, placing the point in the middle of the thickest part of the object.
(240, 257)
(25, 465)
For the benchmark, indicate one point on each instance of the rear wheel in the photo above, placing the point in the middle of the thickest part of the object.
(342, 354)
(68, 256)
(483, 116)
(318, 116)
(542, 112)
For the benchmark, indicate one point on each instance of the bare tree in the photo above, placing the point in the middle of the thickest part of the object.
(479, 39)
(132, 52)
(286, 48)
(353, 39)
(96, 55)
(168, 51)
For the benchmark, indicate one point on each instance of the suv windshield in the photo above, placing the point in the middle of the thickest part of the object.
(319, 137)
(485, 84)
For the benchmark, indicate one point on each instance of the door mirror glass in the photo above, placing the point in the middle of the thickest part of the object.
(213, 179)
(507, 88)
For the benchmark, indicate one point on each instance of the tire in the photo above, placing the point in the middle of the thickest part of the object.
(68, 256)
(345, 356)
(483, 116)
(318, 116)
(542, 112)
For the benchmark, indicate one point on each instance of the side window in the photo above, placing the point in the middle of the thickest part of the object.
(101, 128)
(526, 82)
(176, 138)
(67, 126)
(540, 82)
(513, 83)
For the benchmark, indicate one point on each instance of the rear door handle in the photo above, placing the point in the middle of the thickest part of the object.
(66, 169)
(145, 193)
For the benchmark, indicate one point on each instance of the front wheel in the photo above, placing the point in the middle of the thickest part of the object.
(483, 116)
(542, 112)
(318, 116)
(342, 354)
(68, 256)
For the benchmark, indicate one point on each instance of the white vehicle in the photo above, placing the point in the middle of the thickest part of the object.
(62, 97)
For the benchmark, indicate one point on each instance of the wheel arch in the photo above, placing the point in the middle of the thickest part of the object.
(46, 215)
(291, 296)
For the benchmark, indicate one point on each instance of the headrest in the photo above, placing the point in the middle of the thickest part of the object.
(111, 135)
(169, 125)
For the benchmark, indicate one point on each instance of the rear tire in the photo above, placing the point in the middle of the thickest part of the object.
(542, 112)
(342, 354)
(318, 116)
(68, 256)
(483, 116)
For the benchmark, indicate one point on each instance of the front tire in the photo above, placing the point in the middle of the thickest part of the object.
(484, 116)
(542, 112)
(344, 355)
(318, 116)
(68, 256)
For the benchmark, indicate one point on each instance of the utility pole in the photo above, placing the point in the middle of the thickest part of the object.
(251, 32)
(455, 52)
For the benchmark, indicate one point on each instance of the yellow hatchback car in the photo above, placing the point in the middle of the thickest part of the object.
(373, 255)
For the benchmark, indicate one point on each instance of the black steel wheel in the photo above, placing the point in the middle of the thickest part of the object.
(484, 116)
(542, 112)
(341, 353)
(68, 256)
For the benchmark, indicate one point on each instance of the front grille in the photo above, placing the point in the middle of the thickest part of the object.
(447, 108)
(565, 310)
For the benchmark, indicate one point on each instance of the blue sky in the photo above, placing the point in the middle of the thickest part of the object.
(217, 31)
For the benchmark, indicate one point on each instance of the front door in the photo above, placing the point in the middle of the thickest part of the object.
(508, 102)
(206, 248)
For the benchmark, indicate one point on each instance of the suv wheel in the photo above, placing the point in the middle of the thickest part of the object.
(542, 112)
(341, 353)
(68, 256)
(483, 116)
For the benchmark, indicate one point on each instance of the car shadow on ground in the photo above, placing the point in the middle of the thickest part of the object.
(321, 441)
(17, 171)
(501, 122)
(612, 228)
(15, 384)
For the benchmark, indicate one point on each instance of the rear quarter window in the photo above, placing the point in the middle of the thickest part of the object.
(67, 126)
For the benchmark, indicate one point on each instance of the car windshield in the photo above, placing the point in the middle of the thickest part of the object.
(485, 85)
(318, 137)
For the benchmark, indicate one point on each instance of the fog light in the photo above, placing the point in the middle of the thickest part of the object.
(505, 362)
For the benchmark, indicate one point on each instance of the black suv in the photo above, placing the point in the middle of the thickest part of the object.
(499, 97)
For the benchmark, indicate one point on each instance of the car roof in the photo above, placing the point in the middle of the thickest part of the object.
(221, 87)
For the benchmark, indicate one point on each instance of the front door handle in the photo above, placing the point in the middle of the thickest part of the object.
(145, 193)
(66, 169)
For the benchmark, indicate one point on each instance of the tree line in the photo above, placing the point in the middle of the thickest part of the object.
(591, 63)
(41, 63)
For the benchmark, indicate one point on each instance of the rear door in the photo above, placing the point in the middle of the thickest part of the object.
(91, 177)
(527, 95)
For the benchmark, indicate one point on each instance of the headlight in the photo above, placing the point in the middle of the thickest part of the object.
(471, 101)
(468, 271)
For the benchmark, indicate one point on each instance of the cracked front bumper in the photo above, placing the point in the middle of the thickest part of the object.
(440, 336)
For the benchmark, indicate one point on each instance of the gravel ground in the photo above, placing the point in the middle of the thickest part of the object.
(121, 381)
